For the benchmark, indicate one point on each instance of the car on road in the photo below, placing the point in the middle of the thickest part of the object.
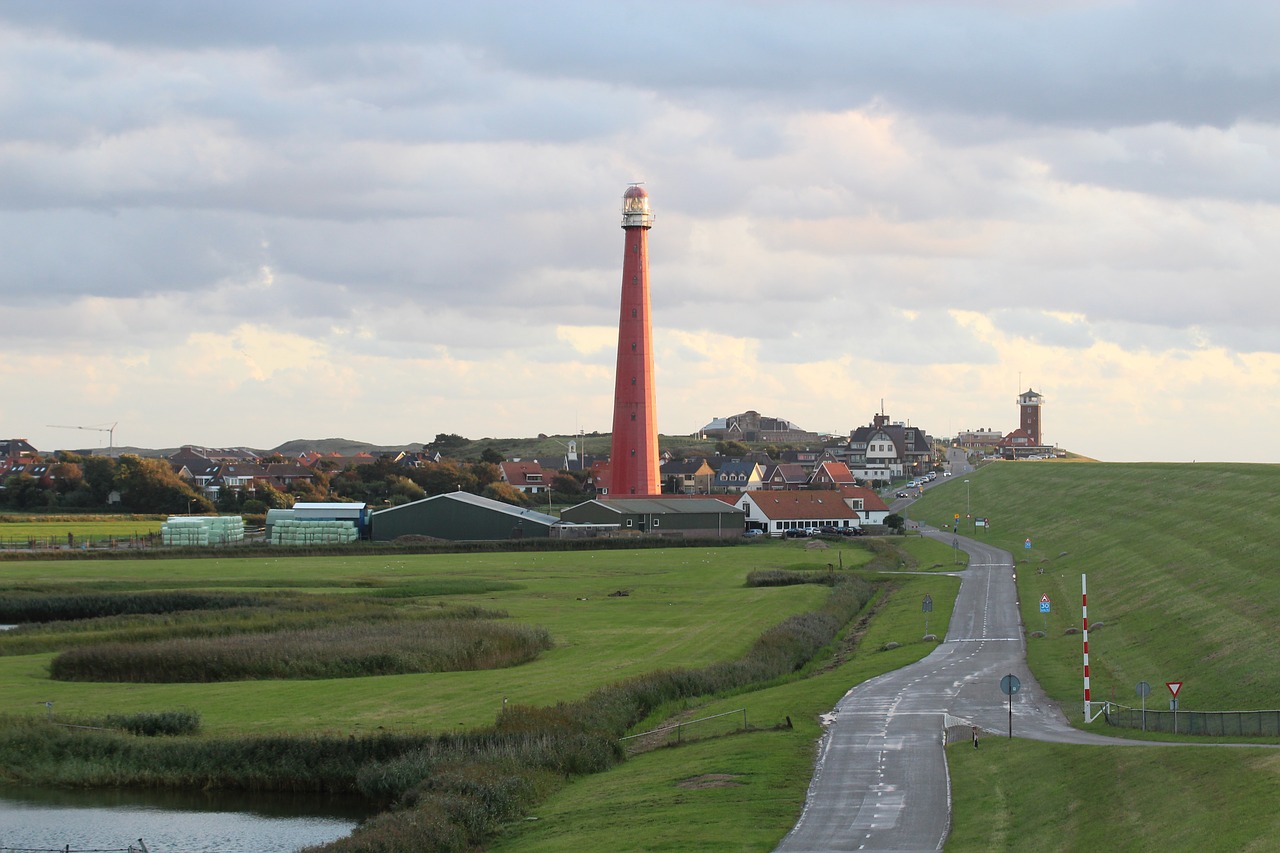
(902, 495)
(946, 473)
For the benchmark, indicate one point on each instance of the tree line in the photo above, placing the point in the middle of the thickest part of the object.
(147, 485)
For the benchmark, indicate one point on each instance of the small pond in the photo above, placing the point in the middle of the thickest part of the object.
(172, 821)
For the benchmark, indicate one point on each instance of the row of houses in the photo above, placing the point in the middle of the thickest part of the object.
(464, 516)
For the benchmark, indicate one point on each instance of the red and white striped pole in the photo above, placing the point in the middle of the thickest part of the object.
(1084, 610)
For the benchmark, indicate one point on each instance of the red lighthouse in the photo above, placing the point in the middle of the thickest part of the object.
(633, 464)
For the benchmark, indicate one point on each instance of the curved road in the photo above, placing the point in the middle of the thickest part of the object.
(882, 756)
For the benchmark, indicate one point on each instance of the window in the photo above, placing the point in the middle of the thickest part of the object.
(630, 522)
(655, 522)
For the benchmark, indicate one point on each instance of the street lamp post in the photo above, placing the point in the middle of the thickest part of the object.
(968, 513)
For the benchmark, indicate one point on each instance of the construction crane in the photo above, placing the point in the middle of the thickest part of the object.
(110, 430)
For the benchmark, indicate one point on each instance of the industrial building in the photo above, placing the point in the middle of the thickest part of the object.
(460, 516)
(662, 515)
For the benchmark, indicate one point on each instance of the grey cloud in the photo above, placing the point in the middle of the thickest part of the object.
(1098, 64)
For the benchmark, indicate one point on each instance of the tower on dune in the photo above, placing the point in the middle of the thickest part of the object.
(633, 464)
(1029, 404)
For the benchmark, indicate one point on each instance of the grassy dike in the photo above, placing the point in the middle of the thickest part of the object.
(1182, 586)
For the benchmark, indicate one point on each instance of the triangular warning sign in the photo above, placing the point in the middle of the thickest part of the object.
(1174, 687)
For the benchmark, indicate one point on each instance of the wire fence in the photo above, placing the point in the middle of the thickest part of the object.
(78, 543)
(138, 848)
(1206, 723)
(700, 728)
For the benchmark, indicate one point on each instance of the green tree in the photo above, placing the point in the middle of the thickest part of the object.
(404, 490)
(22, 491)
(448, 442)
(507, 493)
(894, 522)
(67, 477)
(99, 477)
(230, 499)
(492, 456)
(732, 448)
(271, 497)
(565, 483)
(446, 476)
(150, 485)
(485, 473)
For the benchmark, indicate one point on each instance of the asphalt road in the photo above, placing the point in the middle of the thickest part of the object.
(881, 782)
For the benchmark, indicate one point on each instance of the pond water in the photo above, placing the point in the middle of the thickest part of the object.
(170, 821)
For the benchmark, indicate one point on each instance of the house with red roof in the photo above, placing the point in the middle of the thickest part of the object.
(776, 512)
(831, 475)
(526, 475)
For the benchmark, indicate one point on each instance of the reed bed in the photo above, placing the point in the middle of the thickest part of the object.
(264, 613)
(337, 651)
(20, 607)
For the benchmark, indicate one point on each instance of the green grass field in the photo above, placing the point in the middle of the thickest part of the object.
(682, 607)
(19, 529)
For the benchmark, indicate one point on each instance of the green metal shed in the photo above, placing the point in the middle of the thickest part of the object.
(666, 516)
(460, 516)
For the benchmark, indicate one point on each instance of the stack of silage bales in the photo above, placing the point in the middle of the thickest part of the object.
(292, 531)
(182, 530)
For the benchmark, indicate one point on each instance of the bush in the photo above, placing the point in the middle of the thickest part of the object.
(155, 723)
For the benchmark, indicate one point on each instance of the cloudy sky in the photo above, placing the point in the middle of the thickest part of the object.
(240, 223)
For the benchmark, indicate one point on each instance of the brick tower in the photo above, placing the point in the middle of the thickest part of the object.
(633, 464)
(1029, 404)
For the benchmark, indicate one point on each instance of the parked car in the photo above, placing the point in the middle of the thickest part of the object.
(795, 533)
(753, 533)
